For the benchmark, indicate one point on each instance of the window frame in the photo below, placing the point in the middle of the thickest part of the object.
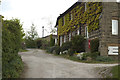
(114, 23)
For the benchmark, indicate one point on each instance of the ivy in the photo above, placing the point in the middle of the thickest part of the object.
(89, 17)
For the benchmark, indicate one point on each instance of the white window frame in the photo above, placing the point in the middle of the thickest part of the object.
(69, 36)
(60, 40)
(64, 38)
(114, 27)
(78, 32)
(55, 40)
(86, 32)
(73, 33)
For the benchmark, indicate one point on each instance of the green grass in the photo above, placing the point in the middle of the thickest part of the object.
(73, 58)
(116, 72)
(22, 50)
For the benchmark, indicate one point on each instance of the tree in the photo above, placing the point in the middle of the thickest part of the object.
(32, 33)
(52, 41)
(30, 37)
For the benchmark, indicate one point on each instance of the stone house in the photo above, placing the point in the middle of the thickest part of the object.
(47, 38)
(92, 20)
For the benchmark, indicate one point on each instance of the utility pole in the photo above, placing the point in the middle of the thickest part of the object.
(43, 31)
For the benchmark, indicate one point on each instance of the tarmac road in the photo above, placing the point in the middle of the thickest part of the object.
(39, 64)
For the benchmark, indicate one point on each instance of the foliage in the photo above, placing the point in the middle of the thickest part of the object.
(30, 37)
(51, 49)
(52, 41)
(94, 55)
(57, 50)
(38, 43)
(94, 45)
(85, 55)
(30, 43)
(45, 44)
(115, 71)
(12, 35)
(71, 52)
(104, 59)
(78, 43)
(66, 46)
(89, 17)
(32, 33)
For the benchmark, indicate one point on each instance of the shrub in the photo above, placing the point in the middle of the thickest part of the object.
(85, 55)
(39, 43)
(12, 64)
(57, 50)
(78, 43)
(66, 46)
(71, 52)
(30, 43)
(94, 45)
(51, 49)
(45, 44)
(104, 59)
(52, 41)
(94, 55)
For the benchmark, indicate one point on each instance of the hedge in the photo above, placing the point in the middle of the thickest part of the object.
(12, 35)
(94, 45)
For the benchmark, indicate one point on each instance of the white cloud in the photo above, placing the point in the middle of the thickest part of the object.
(39, 12)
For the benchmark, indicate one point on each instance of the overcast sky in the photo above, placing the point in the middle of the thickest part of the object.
(39, 12)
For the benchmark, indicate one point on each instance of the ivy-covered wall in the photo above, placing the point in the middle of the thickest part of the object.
(90, 17)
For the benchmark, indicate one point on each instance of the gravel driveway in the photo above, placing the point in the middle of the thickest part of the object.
(39, 64)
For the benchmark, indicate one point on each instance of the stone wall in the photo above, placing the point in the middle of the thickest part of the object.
(110, 11)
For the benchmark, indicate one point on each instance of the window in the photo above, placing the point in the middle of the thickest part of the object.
(78, 32)
(114, 27)
(60, 40)
(86, 32)
(73, 33)
(70, 16)
(64, 38)
(69, 36)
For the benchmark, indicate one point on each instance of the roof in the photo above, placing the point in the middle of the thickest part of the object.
(49, 36)
(68, 10)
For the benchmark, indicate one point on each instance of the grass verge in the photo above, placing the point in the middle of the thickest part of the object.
(23, 50)
(116, 72)
(73, 58)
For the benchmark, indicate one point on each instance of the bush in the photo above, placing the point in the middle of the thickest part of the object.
(66, 46)
(71, 52)
(45, 44)
(51, 49)
(85, 55)
(30, 43)
(12, 64)
(52, 41)
(94, 55)
(57, 50)
(39, 43)
(94, 45)
(104, 59)
(78, 43)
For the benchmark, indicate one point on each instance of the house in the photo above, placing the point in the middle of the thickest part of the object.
(92, 20)
(47, 38)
